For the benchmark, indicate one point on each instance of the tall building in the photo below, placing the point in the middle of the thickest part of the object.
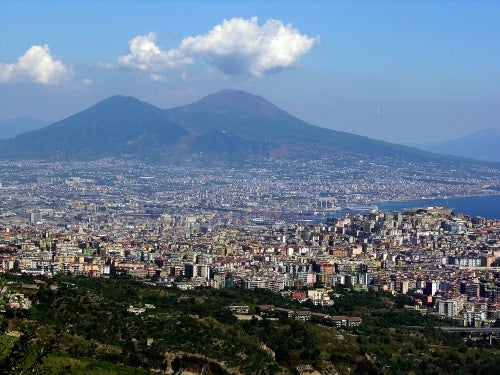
(450, 307)
(35, 217)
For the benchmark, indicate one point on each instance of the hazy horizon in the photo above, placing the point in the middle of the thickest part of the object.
(7, 133)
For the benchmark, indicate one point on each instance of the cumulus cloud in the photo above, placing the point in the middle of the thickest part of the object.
(144, 54)
(240, 46)
(237, 46)
(37, 65)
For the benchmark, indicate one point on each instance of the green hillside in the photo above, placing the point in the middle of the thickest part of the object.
(83, 326)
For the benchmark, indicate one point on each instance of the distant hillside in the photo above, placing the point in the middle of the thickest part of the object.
(481, 145)
(14, 126)
(229, 124)
(116, 126)
(253, 118)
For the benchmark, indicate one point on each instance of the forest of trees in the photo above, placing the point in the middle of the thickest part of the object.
(81, 326)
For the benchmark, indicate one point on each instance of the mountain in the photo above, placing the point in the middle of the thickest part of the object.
(237, 120)
(251, 117)
(228, 124)
(13, 126)
(116, 126)
(481, 145)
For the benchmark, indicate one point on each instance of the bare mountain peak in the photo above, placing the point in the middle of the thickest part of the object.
(231, 93)
(238, 100)
(121, 100)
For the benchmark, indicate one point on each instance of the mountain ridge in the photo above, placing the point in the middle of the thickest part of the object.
(227, 124)
(480, 145)
(116, 125)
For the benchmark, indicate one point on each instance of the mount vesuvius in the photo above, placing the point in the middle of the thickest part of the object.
(228, 124)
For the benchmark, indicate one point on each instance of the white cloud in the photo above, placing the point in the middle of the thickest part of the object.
(36, 65)
(240, 46)
(237, 46)
(144, 54)
(157, 77)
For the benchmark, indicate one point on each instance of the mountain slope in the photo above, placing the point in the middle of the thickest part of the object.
(113, 127)
(250, 116)
(481, 145)
(253, 118)
(228, 124)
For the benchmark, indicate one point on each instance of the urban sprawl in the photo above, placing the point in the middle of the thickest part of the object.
(292, 228)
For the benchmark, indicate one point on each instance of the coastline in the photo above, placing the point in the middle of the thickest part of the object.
(486, 206)
(434, 198)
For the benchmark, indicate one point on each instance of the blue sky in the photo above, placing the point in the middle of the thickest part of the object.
(401, 71)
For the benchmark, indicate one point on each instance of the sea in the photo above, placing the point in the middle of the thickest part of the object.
(486, 206)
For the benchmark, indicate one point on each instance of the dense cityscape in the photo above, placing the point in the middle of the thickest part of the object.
(290, 227)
